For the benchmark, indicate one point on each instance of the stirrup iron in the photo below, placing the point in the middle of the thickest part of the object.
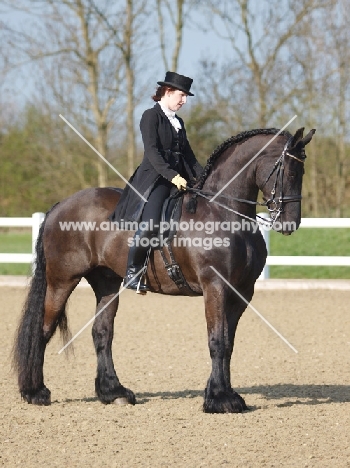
(144, 269)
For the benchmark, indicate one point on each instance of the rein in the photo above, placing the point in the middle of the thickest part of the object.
(209, 196)
(276, 205)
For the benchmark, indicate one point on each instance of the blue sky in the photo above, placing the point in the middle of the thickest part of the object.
(197, 46)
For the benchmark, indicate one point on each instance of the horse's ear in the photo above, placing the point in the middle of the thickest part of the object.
(308, 137)
(297, 137)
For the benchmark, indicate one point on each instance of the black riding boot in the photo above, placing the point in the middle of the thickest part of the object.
(136, 262)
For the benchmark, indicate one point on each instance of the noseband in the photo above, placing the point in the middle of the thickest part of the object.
(275, 203)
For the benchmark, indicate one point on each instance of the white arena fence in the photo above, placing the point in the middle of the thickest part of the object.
(321, 260)
(37, 218)
(34, 222)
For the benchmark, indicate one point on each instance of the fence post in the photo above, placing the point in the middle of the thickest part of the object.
(265, 231)
(37, 219)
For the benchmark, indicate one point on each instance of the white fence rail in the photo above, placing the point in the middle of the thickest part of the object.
(37, 218)
(309, 260)
(34, 222)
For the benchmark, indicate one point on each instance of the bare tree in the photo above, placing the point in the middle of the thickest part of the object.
(173, 16)
(324, 62)
(259, 34)
(313, 84)
(337, 48)
(174, 12)
(127, 28)
(76, 59)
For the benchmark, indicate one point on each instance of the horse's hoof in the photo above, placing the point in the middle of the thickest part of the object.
(118, 395)
(226, 402)
(121, 401)
(41, 397)
(129, 396)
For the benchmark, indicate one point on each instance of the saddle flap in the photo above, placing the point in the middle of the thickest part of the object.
(171, 214)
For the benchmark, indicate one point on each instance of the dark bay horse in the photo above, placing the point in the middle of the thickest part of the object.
(266, 160)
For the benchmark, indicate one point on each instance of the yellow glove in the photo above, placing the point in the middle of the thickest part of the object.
(180, 182)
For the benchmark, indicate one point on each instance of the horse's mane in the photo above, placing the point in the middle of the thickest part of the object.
(192, 204)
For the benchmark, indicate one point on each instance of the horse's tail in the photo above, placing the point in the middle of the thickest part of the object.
(30, 341)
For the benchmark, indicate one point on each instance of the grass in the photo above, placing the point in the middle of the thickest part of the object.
(313, 242)
(15, 242)
(303, 242)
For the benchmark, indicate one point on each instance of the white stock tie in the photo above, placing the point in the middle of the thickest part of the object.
(172, 118)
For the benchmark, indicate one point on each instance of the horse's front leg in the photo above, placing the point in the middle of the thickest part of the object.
(223, 309)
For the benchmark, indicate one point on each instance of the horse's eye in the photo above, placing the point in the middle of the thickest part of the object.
(292, 173)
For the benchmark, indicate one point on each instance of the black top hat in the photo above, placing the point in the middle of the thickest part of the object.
(181, 82)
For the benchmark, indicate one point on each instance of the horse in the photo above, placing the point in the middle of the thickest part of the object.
(225, 196)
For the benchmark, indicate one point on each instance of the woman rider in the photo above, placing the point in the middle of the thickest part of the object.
(168, 162)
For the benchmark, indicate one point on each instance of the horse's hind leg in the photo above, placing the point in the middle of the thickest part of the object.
(32, 340)
(107, 386)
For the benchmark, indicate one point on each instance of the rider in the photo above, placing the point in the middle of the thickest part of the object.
(168, 162)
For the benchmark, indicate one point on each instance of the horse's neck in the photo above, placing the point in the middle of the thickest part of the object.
(229, 171)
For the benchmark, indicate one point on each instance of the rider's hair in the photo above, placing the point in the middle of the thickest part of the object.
(160, 92)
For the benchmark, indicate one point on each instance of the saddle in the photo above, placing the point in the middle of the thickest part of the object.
(171, 214)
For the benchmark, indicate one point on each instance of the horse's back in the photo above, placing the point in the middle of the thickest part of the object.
(72, 234)
(85, 205)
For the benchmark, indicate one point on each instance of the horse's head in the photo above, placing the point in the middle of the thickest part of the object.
(283, 183)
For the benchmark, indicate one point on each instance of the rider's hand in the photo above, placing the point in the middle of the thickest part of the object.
(180, 182)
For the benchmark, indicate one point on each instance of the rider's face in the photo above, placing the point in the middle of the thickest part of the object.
(174, 100)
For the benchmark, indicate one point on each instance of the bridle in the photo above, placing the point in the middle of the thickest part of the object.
(274, 204)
